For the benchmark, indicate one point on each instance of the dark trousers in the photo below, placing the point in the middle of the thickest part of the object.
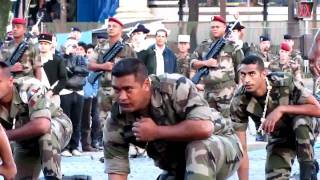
(72, 105)
(86, 122)
(96, 128)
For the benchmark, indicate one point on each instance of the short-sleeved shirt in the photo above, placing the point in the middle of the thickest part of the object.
(99, 52)
(285, 91)
(29, 102)
(174, 99)
(30, 59)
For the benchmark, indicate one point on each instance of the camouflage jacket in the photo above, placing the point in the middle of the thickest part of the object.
(284, 91)
(174, 99)
(101, 49)
(183, 65)
(228, 59)
(276, 66)
(266, 58)
(29, 102)
(30, 59)
(296, 57)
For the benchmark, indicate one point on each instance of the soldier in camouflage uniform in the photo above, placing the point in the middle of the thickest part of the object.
(30, 62)
(285, 64)
(284, 110)
(220, 83)
(37, 126)
(183, 56)
(295, 54)
(105, 91)
(166, 115)
(264, 50)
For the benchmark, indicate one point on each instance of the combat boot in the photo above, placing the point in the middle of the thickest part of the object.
(309, 170)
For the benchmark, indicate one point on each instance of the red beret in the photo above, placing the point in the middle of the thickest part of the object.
(19, 21)
(285, 46)
(218, 18)
(112, 19)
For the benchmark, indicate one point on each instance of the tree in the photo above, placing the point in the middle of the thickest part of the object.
(4, 15)
(193, 22)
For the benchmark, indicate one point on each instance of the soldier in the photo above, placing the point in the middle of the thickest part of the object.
(30, 62)
(183, 56)
(220, 83)
(166, 116)
(105, 91)
(285, 63)
(37, 126)
(295, 54)
(264, 50)
(53, 71)
(282, 108)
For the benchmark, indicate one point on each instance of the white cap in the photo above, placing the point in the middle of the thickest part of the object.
(184, 38)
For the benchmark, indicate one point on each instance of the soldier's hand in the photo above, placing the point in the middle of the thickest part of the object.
(271, 120)
(145, 129)
(294, 65)
(49, 94)
(200, 87)
(211, 63)
(107, 66)
(17, 67)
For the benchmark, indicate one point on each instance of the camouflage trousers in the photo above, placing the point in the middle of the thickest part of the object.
(215, 158)
(297, 139)
(43, 153)
(220, 99)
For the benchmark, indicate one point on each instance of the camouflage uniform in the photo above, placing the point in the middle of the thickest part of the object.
(105, 91)
(221, 81)
(296, 57)
(30, 59)
(295, 134)
(30, 155)
(174, 99)
(275, 66)
(183, 65)
(266, 58)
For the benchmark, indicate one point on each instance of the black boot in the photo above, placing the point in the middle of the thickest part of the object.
(308, 170)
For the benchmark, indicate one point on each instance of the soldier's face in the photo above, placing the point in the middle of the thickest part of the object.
(6, 84)
(138, 37)
(183, 47)
(252, 78)
(45, 47)
(18, 30)
(131, 94)
(217, 29)
(284, 56)
(114, 29)
(265, 45)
